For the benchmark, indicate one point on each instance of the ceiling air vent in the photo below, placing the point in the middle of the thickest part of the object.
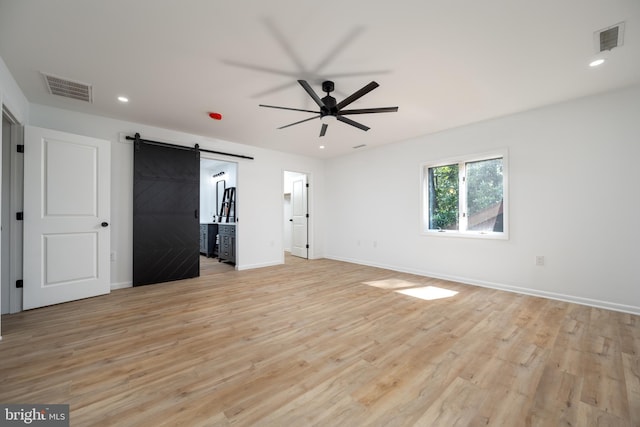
(68, 88)
(610, 37)
(360, 146)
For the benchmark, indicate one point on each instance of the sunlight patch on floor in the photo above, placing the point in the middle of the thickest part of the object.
(392, 284)
(412, 289)
(428, 292)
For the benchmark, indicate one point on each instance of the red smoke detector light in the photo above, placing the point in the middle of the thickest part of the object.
(215, 116)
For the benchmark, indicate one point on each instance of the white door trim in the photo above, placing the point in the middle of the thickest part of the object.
(16, 230)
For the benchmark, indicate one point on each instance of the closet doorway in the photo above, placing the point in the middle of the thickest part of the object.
(296, 214)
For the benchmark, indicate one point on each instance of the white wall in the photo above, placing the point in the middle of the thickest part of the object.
(11, 96)
(208, 168)
(573, 177)
(259, 241)
(207, 196)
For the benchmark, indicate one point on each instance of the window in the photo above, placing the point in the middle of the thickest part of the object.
(466, 197)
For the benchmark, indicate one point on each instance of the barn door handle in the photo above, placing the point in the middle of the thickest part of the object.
(105, 224)
(195, 214)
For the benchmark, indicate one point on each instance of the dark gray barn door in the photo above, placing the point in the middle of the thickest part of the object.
(166, 199)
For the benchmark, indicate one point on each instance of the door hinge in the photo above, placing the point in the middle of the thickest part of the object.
(307, 246)
(19, 216)
(307, 185)
(307, 215)
(20, 148)
(19, 283)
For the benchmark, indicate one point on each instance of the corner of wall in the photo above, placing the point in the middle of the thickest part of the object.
(11, 95)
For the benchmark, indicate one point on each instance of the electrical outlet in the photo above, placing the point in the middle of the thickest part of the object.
(539, 260)
(113, 256)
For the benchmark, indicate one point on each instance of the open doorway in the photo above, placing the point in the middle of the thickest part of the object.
(12, 202)
(296, 214)
(218, 214)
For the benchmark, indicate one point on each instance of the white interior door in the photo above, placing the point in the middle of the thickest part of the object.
(299, 216)
(66, 217)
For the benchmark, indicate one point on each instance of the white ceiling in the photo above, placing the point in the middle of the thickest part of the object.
(444, 63)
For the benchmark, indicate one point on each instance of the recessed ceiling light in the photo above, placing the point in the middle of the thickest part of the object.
(322, 147)
(123, 99)
(596, 62)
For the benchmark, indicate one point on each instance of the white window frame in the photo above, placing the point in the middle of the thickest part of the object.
(462, 219)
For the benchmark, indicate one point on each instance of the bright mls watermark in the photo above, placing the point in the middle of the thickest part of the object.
(34, 415)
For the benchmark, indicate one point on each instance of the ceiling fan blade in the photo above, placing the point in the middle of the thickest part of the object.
(323, 129)
(287, 108)
(357, 95)
(301, 121)
(370, 110)
(352, 123)
(311, 93)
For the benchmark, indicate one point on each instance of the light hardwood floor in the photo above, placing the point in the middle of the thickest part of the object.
(323, 343)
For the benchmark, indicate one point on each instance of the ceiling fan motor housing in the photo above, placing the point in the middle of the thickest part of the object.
(329, 101)
(329, 107)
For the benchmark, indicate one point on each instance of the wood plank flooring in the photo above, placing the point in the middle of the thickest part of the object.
(212, 266)
(323, 343)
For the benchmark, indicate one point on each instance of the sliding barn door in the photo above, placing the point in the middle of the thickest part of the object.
(166, 198)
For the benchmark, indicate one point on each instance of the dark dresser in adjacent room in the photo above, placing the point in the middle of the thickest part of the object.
(227, 242)
(208, 235)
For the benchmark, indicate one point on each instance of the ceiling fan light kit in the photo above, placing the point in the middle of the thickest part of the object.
(331, 110)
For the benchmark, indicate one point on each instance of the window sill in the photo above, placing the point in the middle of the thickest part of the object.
(467, 234)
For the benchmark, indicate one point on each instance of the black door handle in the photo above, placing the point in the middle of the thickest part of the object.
(291, 220)
(105, 224)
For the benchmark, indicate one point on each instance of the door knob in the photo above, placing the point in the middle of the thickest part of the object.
(105, 224)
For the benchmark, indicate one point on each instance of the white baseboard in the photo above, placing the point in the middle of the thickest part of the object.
(502, 287)
(260, 265)
(121, 285)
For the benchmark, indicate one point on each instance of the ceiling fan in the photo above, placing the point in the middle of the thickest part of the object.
(330, 109)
